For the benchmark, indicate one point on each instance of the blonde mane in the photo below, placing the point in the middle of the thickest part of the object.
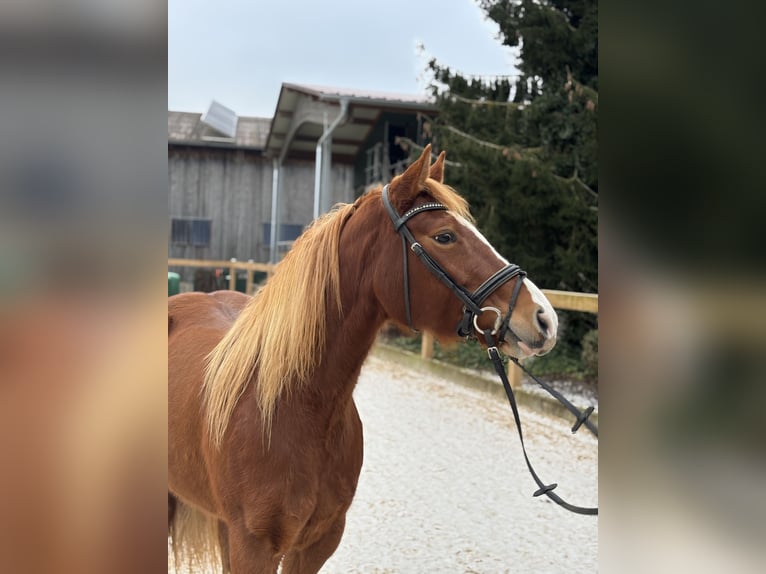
(291, 307)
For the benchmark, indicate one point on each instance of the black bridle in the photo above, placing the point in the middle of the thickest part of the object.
(471, 301)
(472, 308)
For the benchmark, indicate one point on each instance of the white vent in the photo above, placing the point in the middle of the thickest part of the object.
(221, 119)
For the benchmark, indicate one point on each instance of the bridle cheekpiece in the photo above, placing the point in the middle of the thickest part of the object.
(472, 302)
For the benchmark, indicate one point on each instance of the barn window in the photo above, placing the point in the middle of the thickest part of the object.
(287, 232)
(190, 231)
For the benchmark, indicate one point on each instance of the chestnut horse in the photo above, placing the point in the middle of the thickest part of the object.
(264, 439)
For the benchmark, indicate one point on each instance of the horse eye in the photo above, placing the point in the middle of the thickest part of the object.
(445, 238)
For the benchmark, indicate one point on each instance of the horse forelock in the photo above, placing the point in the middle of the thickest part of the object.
(289, 312)
(448, 197)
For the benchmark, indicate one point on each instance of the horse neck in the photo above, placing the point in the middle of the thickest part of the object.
(350, 334)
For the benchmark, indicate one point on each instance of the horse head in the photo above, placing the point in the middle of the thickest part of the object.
(455, 282)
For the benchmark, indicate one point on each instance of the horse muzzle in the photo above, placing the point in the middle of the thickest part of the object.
(530, 350)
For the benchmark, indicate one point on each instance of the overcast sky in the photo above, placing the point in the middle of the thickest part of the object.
(238, 52)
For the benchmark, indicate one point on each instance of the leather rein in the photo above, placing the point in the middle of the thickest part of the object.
(472, 309)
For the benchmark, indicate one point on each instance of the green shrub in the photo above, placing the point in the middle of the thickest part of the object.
(589, 355)
(565, 361)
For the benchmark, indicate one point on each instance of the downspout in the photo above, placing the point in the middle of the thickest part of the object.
(275, 164)
(318, 168)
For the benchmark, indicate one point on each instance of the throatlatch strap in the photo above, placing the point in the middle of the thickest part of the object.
(546, 489)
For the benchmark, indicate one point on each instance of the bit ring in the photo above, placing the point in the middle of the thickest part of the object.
(497, 321)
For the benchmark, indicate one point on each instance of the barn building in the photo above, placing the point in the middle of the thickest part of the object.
(245, 187)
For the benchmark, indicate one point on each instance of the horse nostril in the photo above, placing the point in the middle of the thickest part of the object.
(542, 321)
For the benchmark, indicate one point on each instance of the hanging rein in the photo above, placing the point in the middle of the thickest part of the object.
(472, 309)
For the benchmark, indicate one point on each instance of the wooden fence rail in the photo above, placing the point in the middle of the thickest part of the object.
(566, 300)
(232, 265)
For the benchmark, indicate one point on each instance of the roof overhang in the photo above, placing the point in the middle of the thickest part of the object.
(303, 112)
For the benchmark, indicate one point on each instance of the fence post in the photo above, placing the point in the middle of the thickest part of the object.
(233, 275)
(514, 373)
(249, 279)
(427, 346)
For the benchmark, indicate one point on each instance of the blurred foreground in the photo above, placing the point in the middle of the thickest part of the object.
(83, 229)
(82, 278)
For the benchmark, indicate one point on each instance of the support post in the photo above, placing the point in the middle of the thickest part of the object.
(275, 183)
(324, 159)
(233, 275)
(249, 279)
(325, 199)
(427, 346)
(514, 375)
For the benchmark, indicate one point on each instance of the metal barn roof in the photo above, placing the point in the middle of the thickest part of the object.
(187, 128)
(303, 110)
(299, 120)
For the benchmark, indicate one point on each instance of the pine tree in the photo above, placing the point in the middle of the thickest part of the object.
(525, 148)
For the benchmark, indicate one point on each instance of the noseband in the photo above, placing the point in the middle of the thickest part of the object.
(471, 301)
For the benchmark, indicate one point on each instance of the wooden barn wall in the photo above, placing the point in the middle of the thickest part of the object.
(233, 188)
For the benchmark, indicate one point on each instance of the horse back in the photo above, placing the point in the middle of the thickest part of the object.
(218, 309)
(196, 323)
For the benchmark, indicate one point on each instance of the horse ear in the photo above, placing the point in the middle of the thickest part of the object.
(437, 169)
(406, 187)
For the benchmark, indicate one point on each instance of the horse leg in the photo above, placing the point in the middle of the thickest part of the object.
(310, 559)
(250, 554)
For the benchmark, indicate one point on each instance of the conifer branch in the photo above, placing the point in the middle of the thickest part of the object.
(483, 102)
(574, 178)
(513, 152)
(405, 143)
